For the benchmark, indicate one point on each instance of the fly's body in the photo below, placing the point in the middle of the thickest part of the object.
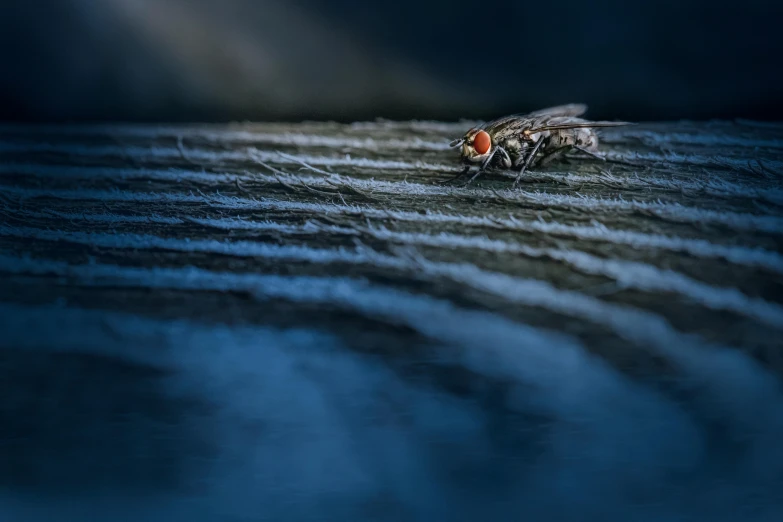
(519, 140)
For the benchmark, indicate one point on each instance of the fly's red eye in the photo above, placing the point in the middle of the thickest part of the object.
(482, 142)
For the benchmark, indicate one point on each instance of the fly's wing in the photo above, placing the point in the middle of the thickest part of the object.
(560, 117)
(516, 123)
(572, 109)
(502, 128)
(542, 126)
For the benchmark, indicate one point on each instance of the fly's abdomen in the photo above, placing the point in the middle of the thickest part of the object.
(584, 138)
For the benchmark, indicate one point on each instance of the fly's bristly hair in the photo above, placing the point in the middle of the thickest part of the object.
(518, 140)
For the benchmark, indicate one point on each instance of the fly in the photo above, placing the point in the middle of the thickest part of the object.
(519, 140)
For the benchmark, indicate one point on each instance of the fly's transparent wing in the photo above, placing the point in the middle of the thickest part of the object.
(583, 124)
(507, 126)
(561, 117)
(516, 123)
(572, 109)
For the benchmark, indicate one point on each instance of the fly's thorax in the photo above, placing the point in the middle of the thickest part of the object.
(515, 146)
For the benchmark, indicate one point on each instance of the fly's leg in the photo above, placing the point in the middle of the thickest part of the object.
(590, 153)
(529, 160)
(550, 156)
(454, 178)
(604, 158)
(484, 165)
(473, 177)
(506, 159)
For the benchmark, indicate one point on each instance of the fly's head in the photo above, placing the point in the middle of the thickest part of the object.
(475, 146)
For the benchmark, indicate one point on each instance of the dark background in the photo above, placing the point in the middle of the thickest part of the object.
(193, 60)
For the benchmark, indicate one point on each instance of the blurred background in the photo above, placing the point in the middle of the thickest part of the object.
(219, 60)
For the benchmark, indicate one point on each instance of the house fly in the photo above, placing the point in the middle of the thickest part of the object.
(519, 140)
